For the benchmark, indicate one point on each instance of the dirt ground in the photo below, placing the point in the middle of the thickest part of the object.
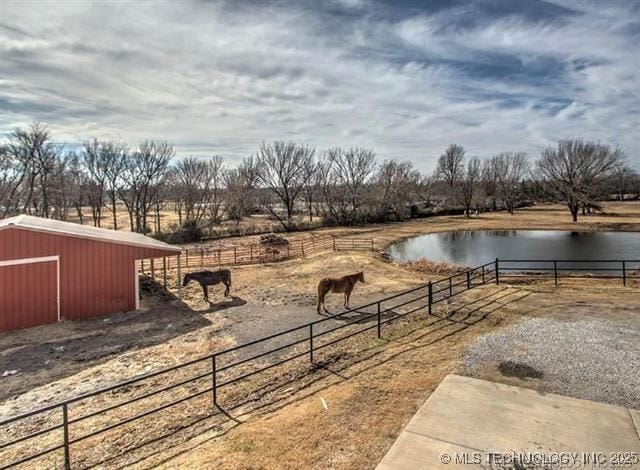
(369, 395)
(372, 397)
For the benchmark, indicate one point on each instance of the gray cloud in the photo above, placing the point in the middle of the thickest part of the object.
(220, 77)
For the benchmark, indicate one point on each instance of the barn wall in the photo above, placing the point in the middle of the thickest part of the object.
(96, 277)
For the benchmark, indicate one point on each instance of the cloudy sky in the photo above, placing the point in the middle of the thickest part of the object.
(405, 78)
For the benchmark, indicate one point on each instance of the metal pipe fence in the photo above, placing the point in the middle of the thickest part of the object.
(205, 376)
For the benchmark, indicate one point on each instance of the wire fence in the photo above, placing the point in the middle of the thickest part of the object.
(48, 435)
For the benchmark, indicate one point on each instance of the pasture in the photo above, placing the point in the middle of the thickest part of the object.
(349, 408)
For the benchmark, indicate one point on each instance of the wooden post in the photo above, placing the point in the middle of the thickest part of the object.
(555, 272)
(302, 245)
(468, 279)
(164, 271)
(186, 257)
(372, 245)
(430, 288)
(179, 280)
(142, 266)
(219, 258)
(201, 257)
(624, 273)
(153, 270)
(334, 242)
(251, 247)
(235, 255)
(497, 272)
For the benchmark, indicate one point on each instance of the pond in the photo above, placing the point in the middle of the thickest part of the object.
(473, 248)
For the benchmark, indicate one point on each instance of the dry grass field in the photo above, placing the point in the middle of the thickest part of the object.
(370, 387)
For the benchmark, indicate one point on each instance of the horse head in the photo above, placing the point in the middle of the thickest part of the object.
(361, 276)
(186, 280)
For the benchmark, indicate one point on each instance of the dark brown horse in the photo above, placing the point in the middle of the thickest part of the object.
(342, 284)
(209, 278)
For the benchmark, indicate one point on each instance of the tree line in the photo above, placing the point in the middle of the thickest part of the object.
(291, 182)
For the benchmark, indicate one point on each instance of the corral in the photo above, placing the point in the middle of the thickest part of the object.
(350, 406)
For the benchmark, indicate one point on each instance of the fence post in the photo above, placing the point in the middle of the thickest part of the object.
(219, 258)
(164, 271)
(235, 255)
(302, 246)
(555, 272)
(251, 247)
(372, 245)
(379, 322)
(214, 381)
(334, 242)
(153, 270)
(483, 275)
(311, 343)
(202, 257)
(186, 258)
(430, 287)
(624, 273)
(468, 279)
(450, 286)
(179, 278)
(142, 266)
(497, 272)
(65, 424)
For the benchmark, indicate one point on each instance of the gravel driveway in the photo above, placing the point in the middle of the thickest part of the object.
(594, 359)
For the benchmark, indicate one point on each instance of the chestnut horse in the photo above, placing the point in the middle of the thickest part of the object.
(342, 284)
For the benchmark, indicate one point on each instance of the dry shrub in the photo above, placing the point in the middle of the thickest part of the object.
(424, 265)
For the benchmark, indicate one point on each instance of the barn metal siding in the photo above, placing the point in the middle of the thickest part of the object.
(28, 293)
(96, 277)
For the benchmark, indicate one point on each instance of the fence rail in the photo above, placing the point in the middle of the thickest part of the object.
(200, 257)
(225, 368)
(570, 269)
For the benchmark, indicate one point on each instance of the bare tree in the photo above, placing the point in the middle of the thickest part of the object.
(395, 188)
(469, 184)
(350, 174)
(282, 168)
(572, 169)
(311, 185)
(197, 185)
(34, 156)
(215, 176)
(95, 189)
(451, 165)
(143, 173)
(622, 180)
(509, 169)
(239, 184)
(12, 174)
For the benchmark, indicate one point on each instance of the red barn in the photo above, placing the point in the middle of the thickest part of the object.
(52, 270)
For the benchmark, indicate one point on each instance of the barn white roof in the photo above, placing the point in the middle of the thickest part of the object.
(40, 224)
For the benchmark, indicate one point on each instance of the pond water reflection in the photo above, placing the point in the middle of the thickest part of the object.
(473, 248)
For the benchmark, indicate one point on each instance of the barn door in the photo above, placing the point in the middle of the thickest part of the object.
(29, 293)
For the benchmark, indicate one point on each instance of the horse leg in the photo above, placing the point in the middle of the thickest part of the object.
(205, 291)
(228, 287)
(347, 295)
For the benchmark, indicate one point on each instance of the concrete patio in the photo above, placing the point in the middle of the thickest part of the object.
(471, 423)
